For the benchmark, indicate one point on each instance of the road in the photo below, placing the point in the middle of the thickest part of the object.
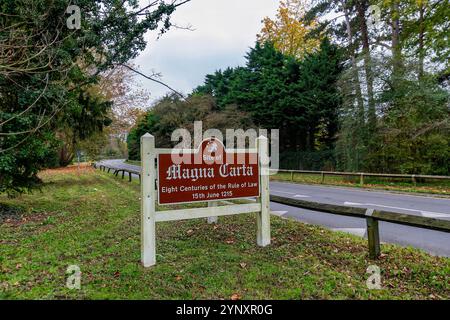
(434, 242)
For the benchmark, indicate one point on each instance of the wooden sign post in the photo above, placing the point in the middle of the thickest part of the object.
(209, 174)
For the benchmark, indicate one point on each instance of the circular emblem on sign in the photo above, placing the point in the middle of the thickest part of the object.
(212, 147)
(213, 151)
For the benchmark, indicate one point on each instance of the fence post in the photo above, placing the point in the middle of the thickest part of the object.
(212, 220)
(361, 179)
(292, 175)
(129, 176)
(373, 235)
(263, 217)
(322, 175)
(414, 181)
(148, 192)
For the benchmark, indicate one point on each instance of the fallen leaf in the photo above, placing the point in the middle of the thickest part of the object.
(178, 278)
(235, 297)
(190, 231)
(229, 241)
(243, 265)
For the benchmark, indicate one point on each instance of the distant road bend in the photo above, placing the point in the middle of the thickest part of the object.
(434, 242)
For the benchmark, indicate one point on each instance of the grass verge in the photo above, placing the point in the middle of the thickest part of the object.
(402, 185)
(91, 219)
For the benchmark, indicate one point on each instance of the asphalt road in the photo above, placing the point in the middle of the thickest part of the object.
(434, 242)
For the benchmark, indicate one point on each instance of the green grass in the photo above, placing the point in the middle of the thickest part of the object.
(441, 187)
(91, 219)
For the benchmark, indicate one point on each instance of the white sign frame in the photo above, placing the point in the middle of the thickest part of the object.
(191, 151)
(149, 215)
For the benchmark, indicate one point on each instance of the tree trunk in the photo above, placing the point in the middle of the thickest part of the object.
(421, 39)
(361, 7)
(396, 50)
(357, 83)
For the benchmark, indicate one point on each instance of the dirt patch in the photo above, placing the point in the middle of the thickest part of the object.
(16, 216)
(10, 213)
(82, 168)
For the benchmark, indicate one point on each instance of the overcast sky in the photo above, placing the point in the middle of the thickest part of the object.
(224, 30)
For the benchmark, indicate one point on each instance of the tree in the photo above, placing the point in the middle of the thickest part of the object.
(414, 136)
(289, 32)
(299, 97)
(171, 113)
(383, 65)
(46, 69)
(118, 103)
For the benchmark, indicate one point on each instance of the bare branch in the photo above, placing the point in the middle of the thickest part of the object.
(155, 80)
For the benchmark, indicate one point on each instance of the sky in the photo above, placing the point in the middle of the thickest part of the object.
(223, 31)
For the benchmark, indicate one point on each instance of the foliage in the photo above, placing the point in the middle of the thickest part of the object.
(289, 32)
(171, 113)
(298, 97)
(46, 70)
(394, 114)
(414, 133)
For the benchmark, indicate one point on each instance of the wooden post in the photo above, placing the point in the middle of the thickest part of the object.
(373, 235)
(263, 217)
(322, 174)
(123, 174)
(414, 181)
(361, 179)
(148, 192)
(129, 176)
(212, 220)
(292, 175)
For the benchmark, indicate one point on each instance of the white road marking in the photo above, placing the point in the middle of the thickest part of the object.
(301, 196)
(371, 191)
(361, 232)
(278, 213)
(428, 214)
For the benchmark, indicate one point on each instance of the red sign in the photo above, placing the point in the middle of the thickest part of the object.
(209, 174)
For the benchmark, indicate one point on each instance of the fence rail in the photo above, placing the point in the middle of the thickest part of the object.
(117, 170)
(372, 217)
(362, 175)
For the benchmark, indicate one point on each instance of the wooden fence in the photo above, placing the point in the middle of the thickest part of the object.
(117, 170)
(372, 217)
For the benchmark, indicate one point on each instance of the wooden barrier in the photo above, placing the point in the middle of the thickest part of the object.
(372, 218)
(362, 175)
